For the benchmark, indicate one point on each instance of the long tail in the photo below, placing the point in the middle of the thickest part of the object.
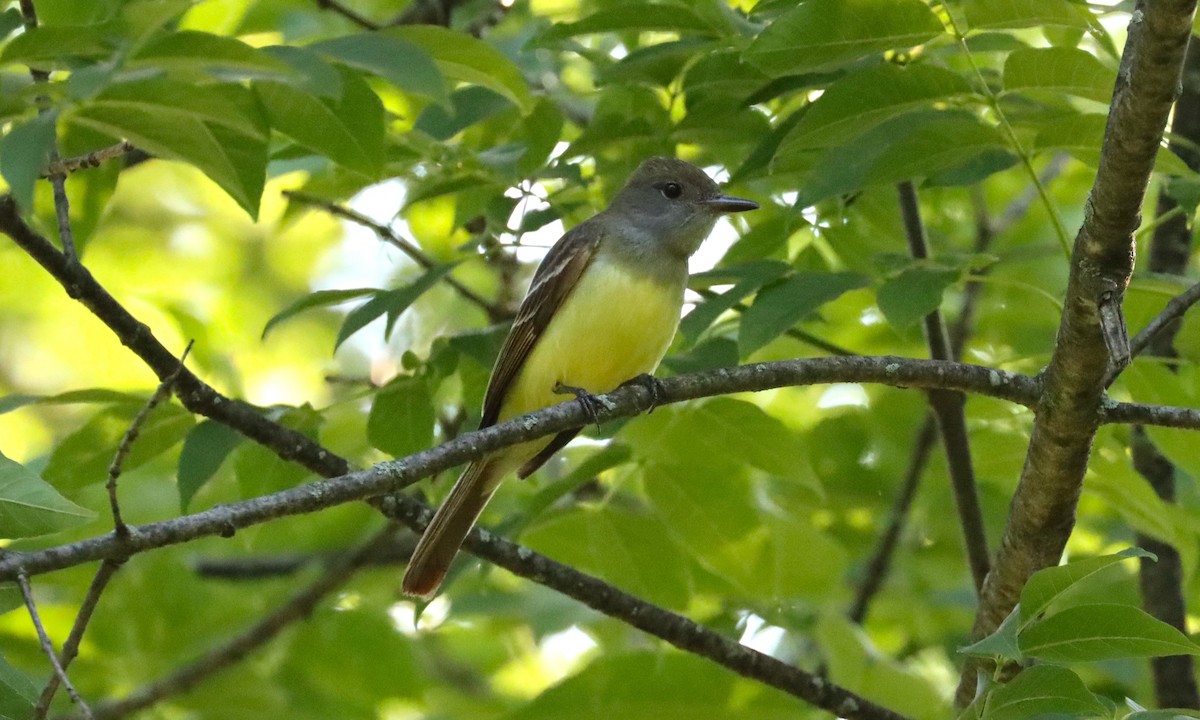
(449, 527)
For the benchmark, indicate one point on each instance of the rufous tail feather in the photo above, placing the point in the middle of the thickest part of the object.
(454, 519)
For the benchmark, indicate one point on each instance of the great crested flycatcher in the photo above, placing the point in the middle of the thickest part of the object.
(602, 309)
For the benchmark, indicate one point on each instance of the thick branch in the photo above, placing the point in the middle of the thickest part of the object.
(393, 475)
(1043, 508)
(297, 608)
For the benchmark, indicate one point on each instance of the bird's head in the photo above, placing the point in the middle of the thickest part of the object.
(674, 203)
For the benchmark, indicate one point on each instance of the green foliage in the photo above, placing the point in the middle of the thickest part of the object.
(479, 142)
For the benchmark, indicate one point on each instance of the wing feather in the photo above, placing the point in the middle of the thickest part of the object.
(553, 281)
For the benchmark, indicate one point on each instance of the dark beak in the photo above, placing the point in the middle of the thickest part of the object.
(726, 204)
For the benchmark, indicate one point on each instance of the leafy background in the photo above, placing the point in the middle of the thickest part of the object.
(470, 134)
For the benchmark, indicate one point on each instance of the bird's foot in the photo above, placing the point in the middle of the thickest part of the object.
(654, 386)
(590, 403)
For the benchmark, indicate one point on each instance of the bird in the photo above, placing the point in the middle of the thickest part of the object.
(601, 310)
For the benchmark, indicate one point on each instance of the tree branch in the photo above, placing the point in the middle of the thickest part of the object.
(70, 647)
(664, 624)
(388, 235)
(626, 401)
(881, 559)
(48, 646)
(1043, 508)
(947, 407)
(93, 159)
(219, 658)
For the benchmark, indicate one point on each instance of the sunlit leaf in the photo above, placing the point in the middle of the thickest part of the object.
(400, 62)
(866, 98)
(318, 299)
(191, 49)
(462, 57)
(402, 416)
(29, 506)
(783, 304)
(1047, 585)
(1101, 632)
(1059, 70)
(913, 294)
(821, 34)
(1042, 691)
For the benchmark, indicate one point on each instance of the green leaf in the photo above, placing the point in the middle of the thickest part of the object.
(195, 50)
(824, 34)
(855, 663)
(1060, 70)
(653, 684)
(781, 305)
(231, 149)
(348, 130)
(402, 417)
(204, 450)
(29, 506)
(9, 403)
(468, 106)
(866, 98)
(462, 57)
(402, 63)
(913, 294)
(320, 298)
(1042, 691)
(995, 14)
(913, 145)
(1046, 585)
(1000, 644)
(1081, 135)
(310, 71)
(83, 457)
(259, 470)
(611, 543)
(390, 302)
(24, 154)
(18, 692)
(1102, 632)
(746, 278)
(540, 132)
(631, 17)
(45, 47)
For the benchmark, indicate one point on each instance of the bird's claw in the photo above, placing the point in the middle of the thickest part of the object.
(590, 403)
(654, 386)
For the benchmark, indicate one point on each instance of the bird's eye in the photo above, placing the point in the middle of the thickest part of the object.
(671, 191)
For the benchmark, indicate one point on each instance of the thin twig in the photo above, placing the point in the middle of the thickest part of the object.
(57, 181)
(70, 648)
(354, 17)
(93, 159)
(131, 435)
(948, 407)
(986, 230)
(410, 249)
(297, 608)
(794, 333)
(1175, 309)
(880, 562)
(48, 647)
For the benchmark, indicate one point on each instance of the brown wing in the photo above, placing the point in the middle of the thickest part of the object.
(553, 281)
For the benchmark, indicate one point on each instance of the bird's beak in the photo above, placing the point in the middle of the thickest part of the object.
(726, 204)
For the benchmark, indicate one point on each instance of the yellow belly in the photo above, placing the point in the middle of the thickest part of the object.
(613, 327)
